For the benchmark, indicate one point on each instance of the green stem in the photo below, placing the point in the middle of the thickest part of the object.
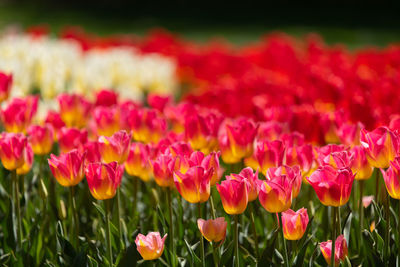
(121, 240)
(171, 225)
(75, 233)
(361, 214)
(17, 208)
(107, 202)
(377, 185)
(215, 255)
(211, 201)
(334, 216)
(338, 222)
(387, 236)
(135, 186)
(236, 241)
(398, 227)
(253, 225)
(203, 262)
(283, 241)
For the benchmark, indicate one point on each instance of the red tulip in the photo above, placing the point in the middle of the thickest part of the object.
(341, 250)
(72, 138)
(392, 178)
(150, 247)
(5, 85)
(234, 196)
(381, 146)
(74, 109)
(28, 160)
(106, 98)
(68, 168)
(12, 150)
(236, 140)
(137, 162)
(213, 230)
(147, 125)
(333, 186)
(349, 134)
(294, 223)
(41, 138)
(360, 165)
(106, 120)
(251, 179)
(104, 179)
(18, 114)
(269, 154)
(158, 102)
(115, 147)
(92, 152)
(302, 156)
(163, 167)
(194, 185)
(54, 119)
(276, 192)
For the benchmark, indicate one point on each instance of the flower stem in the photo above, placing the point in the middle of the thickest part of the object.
(171, 225)
(108, 232)
(253, 225)
(283, 241)
(75, 216)
(377, 185)
(236, 241)
(135, 187)
(361, 214)
(211, 200)
(387, 236)
(17, 208)
(215, 257)
(334, 216)
(203, 262)
(121, 240)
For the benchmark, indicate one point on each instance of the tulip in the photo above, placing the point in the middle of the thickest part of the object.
(104, 179)
(5, 85)
(92, 152)
(194, 185)
(367, 200)
(381, 146)
(18, 114)
(294, 223)
(41, 138)
(338, 160)
(147, 125)
(115, 147)
(74, 109)
(213, 230)
(360, 165)
(158, 102)
(212, 161)
(234, 196)
(12, 150)
(269, 154)
(349, 134)
(150, 247)
(302, 156)
(332, 186)
(341, 250)
(323, 152)
(106, 120)
(68, 168)
(251, 179)
(163, 167)
(54, 119)
(137, 162)
(236, 140)
(392, 178)
(276, 192)
(28, 160)
(180, 149)
(72, 138)
(106, 98)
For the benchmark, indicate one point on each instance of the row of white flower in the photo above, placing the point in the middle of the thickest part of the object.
(54, 66)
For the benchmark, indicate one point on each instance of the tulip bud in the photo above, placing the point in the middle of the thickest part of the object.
(381, 146)
(106, 98)
(251, 181)
(104, 179)
(68, 168)
(213, 230)
(234, 196)
(151, 246)
(115, 147)
(62, 212)
(42, 190)
(294, 223)
(341, 250)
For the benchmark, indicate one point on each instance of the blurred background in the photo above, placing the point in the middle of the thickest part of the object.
(354, 23)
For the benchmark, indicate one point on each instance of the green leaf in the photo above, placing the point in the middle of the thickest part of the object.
(347, 227)
(99, 209)
(299, 260)
(130, 256)
(195, 258)
(267, 254)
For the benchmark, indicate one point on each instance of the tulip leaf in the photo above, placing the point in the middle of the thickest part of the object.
(267, 254)
(130, 256)
(195, 258)
(99, 209)
(227, 254)
(299, 260)
(347, 227)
